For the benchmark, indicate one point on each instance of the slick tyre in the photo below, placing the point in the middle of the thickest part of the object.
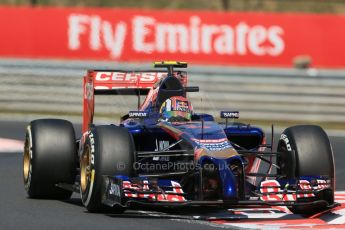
(49, 158)
(313, 157)
(107, 150)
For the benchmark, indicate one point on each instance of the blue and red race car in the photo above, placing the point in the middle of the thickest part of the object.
(164, 153)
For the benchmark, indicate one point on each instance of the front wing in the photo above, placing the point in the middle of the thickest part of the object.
(124, 191)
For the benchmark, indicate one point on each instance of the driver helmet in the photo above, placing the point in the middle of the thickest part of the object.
(176, 108)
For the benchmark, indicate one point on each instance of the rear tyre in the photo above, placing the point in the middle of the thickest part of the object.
(49, 158)
(313, 157)
(107, 150)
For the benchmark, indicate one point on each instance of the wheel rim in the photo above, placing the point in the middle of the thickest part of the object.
(85, 168)
(26, 160)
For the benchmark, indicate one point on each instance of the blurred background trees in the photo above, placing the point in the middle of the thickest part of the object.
(312, 6)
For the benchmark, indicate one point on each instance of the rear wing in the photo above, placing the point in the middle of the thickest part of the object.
(117, 82)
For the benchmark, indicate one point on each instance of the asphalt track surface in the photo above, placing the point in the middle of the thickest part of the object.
(19, 212)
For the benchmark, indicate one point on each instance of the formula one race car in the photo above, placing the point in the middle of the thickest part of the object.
(166, 154)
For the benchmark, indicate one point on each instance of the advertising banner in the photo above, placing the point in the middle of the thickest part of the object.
(202, 37)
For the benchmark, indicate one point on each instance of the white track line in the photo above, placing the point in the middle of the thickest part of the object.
(9, 145)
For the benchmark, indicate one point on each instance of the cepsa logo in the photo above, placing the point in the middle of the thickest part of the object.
(129, 77)
(192, 37)
(108, 80)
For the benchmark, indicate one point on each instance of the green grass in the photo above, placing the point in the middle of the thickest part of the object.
(314, 6)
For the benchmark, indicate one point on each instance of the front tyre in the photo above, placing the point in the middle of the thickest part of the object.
(107, 150)
(313, 157)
